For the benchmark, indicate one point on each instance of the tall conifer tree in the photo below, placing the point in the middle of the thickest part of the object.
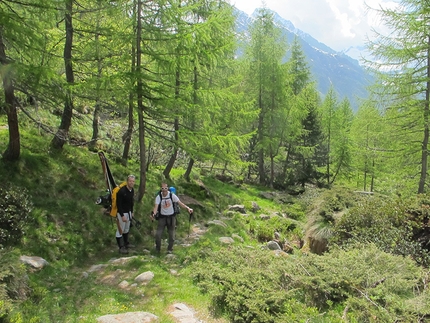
(402, 61)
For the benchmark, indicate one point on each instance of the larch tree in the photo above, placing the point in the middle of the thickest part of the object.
(305, 145)
(303, 123)
(328, 115)
(61, 136)
(208, 134)
(367, 145)
(20, 41)
(341, 143)
(402, 63)
(267, 79)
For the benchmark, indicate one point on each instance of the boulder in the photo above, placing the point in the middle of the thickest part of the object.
(237, 208)
(131, 317)
(34, 261)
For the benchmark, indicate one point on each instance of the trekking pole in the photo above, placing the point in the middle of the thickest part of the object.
(189, 223)
(136, 223)
(153, 219)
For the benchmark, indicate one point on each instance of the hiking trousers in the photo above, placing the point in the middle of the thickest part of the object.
(125, 226)
(170, 223)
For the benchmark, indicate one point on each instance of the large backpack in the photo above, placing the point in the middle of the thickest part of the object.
(176, 208)
(114, 207)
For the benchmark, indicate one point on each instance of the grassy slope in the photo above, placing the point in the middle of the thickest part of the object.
(69, 231)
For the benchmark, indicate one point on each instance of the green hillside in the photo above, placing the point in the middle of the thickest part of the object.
(305, 208)
(51, 197)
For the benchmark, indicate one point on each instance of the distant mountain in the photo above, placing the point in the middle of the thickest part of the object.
(327, 66)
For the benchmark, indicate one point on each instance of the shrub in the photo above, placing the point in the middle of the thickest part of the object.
(394, 225)
(264, 230)
(13, 281)
(295, 211)
(247, 285)
(15, 207)
(356, 285)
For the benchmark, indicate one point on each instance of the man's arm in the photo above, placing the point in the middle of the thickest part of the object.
(155, 209)
(119, 203)
(190, 210)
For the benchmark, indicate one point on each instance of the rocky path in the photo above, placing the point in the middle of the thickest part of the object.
(113, 274)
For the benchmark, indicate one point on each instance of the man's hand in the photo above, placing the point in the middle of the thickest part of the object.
(124, 218)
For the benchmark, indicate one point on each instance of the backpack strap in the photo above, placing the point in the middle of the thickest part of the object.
(159, 205)
(161, 198)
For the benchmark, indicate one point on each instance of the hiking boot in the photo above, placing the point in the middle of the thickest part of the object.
(169, 252)
(123, 250)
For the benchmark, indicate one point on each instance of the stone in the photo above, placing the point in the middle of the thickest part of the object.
(34, 261)
(145, 277)
(183, 314)
(237, 208)
(94, 268)
(255, 207)
(273, 245)
(124, 284)
(131, 317)
(264, 217)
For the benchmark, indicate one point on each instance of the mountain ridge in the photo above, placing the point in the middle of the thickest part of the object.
(328, 67)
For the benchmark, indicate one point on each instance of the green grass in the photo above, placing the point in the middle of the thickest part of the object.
(71, 233)
(69, 295)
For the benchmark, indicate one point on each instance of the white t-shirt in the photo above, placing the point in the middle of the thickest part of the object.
(166, 203)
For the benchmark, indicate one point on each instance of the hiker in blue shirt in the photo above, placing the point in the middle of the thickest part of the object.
(164, 212)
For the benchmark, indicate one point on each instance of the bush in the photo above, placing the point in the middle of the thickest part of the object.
(15, 207)
(13, 281)
(248, 286)
(397, 226)
(355, 285)
(264, 230)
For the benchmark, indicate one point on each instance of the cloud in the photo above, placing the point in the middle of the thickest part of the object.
(339, 24)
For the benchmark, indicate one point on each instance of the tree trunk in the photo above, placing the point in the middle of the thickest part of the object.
(60, 137)
(140, 107)
(261, 173)
(93, 143)
(188, 171)
(328, 158)
(225, 168)
(174, 155)
(195, 101)
(287, 160)
(272, 169)
(425, 142)
(127, 136)
(365, 179)
(13, 149)
(96, 118)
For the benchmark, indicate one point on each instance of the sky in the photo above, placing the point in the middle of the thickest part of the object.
(340, 24)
